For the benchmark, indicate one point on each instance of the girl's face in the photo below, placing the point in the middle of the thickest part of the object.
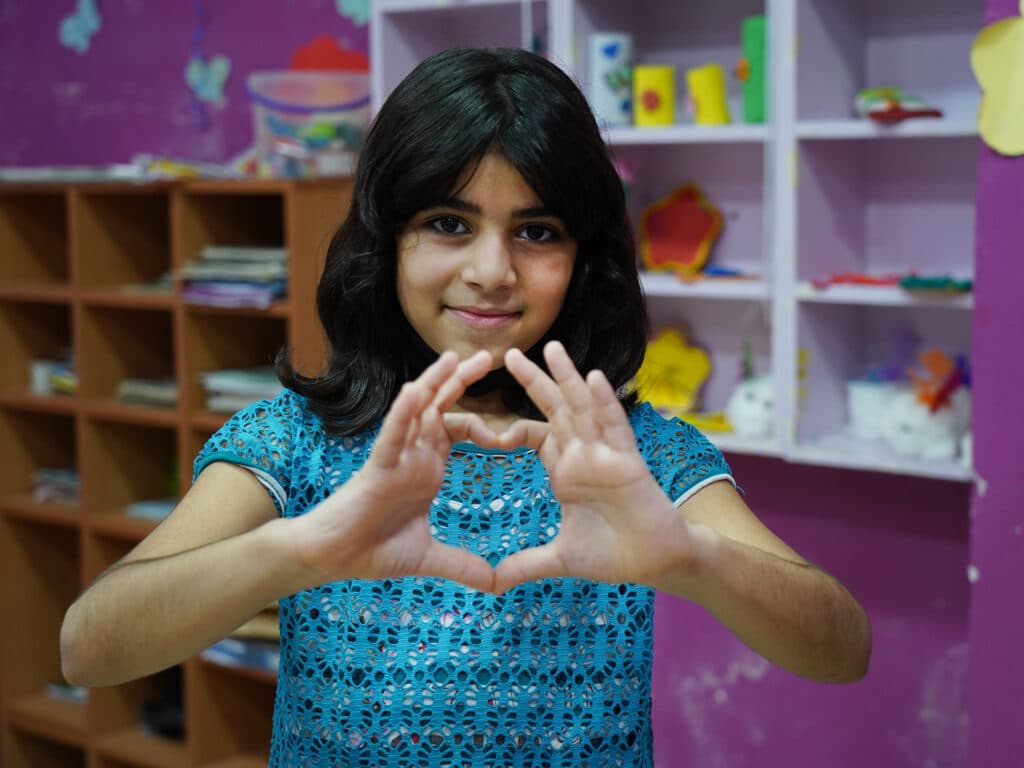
(487, 269)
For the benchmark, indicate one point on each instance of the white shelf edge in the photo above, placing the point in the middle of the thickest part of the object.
(862, 128)
(727, 442)
(625, 136)
(840, 450)
(414, 6)
(882, 296)
(667, 285)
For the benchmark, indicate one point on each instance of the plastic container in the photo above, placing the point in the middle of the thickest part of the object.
(308, 123)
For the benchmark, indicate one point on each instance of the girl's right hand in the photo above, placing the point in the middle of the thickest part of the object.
(376, 526)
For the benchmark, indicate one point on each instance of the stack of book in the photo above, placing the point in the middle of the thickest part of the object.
(151, 509)
(159, 392)
(254, 645)
(55, 485)
(230, 390)
(236, 276)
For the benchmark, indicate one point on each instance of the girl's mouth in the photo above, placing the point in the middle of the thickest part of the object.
(483, 318)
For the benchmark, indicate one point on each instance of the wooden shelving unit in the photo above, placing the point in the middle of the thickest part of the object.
(73, 259)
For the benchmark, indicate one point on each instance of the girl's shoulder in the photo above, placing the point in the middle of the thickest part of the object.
(670, 442)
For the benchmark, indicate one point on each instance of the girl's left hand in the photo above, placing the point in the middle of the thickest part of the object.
(617, 524)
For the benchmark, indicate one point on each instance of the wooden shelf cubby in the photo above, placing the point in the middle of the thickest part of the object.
(81, 277)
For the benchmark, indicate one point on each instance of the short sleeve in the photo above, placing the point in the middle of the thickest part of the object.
(259, 437)
(679, 456)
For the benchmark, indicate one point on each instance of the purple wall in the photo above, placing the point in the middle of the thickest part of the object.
(127, 94)
(900, 544)
(996, 685)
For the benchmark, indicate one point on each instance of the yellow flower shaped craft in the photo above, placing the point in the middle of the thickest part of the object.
(997, 59)
(672, 373)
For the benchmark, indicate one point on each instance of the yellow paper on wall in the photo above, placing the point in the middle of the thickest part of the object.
(997, 59)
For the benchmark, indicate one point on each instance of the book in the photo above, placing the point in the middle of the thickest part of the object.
(253, 253)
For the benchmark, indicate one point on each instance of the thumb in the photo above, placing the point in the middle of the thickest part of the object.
(447, 562)
(528, 433)
(543, 562)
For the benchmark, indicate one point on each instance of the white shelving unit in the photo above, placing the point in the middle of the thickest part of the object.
(814, 193)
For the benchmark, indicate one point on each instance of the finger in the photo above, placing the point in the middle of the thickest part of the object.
(575, 392)
(465, 373)
(401, 425)
(528, 433)
(397, 426)
(431, 430)
(543, 562)
(542, 390)
(447, 562)
(609, 414)
(437, 372)
(463, 427)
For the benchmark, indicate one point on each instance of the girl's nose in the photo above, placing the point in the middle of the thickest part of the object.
(488, 264)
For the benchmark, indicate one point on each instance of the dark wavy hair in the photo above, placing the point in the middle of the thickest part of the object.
(451, 110)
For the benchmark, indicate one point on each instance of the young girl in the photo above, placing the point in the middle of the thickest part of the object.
(465, 517)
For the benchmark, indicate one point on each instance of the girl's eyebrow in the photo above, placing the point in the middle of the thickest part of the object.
(458, 204)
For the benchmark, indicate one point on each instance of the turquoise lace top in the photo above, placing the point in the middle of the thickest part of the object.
(426, 672)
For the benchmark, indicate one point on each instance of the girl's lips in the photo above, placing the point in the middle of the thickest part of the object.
(481, 319)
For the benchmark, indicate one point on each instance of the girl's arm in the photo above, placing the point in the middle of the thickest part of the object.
(216, 561)
(791, 612)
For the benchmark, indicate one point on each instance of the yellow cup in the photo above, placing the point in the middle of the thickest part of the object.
(654, 95)
(707, 93)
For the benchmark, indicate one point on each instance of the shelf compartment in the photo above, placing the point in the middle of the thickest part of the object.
(117, 720)
(841, 449)
(129, 297)
(276, 309)
(886, 207)
(123, 528)
(721, 329)
(137, 747)
(40, 576)
(842, 342)
(214, 346)
(31, 331)
(729, 443)
(732, 179)
(669, 285)
(34, 239)
(118, 344)
(416, 30)
(33, 440)
(50, 718)
(683, 35)
(23, 506)
(882, 296)
(112, 409)
(862, 128)
(230, 715)
(922, 46)
(227, 218)
(66, 404)
(23, 749)
(122, 236)
(125, 463)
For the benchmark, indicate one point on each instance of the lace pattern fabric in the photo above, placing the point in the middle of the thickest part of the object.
(426, 672)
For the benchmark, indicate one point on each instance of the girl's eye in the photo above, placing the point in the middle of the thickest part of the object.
(447, 225)
(538, 233)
